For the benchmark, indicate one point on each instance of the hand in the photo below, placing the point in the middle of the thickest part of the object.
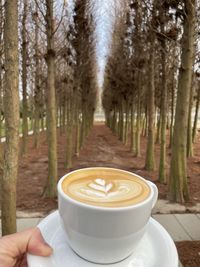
(13, 248)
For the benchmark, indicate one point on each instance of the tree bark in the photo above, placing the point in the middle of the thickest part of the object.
(150, 161)
(63, 117)
(83, 126)
(194, 131)
(1, 72)
(51, 103)
(37, 88)
(146, 121)
(77, 143)
(172, 113)
(114, 122)
(132, 147)
(69, 134)
(163, 112)
(125, 138)
(24, 79)
(11, 103)
(158, 129)
(119, 121)
(42, 120)
(121, 129)
(138, 120)
(178, 175)
(189, 126)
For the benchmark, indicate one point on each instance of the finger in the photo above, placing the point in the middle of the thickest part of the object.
(27, 241)
(38, 246)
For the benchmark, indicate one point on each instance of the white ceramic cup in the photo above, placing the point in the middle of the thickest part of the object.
(104, 235)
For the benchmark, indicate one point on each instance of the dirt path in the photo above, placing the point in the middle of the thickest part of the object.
(102, 148)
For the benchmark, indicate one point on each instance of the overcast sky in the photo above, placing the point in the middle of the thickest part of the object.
(105, 18)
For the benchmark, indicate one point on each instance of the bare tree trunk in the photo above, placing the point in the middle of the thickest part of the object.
(24, 79)
(121, 133)
(158, 129)
(11, 103)
(64, 117)
(132, 148)
(163, 112)
(51, 103)
(37, 88)
(146, 121)
(1, 90)
(150, 161)
(69, 134)
(36, 127)
(42, 120)
(172, 113)
(119, 121)
(114, 118)
(60, 117)
(138, 120)
(32, 118)
(189, 127)
(144, 124)
(1, 100)
(1, 72)
(196, 115)
(57, 115)
(68, 159)
(77, 143)
(126, 124)
(178, 175)
(83, 126)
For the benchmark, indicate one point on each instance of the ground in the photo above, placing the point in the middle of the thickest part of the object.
(189, 253)
(102, 148)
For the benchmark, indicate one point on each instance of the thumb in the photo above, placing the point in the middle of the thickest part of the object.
(37, 245)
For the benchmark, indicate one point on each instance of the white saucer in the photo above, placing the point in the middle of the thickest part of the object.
(156, 249)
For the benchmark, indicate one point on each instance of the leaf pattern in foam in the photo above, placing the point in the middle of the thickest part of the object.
(101, 185)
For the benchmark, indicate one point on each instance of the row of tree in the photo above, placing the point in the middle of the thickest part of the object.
(48, 76)
(152, 83)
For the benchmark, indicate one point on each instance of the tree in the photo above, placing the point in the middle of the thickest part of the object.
(1, 65)
(37, 88)
(51, 102)
(11, 102)
(24, 78)
(150, 160)
(189, 126)
(85, 79)
(178, 175)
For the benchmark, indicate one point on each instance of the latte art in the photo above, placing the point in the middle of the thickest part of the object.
(106, 191)
(109, 189)
(99, 185)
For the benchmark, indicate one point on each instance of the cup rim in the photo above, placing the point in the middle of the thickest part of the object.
(93, 207)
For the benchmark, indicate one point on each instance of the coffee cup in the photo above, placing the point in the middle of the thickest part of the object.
(104, 212)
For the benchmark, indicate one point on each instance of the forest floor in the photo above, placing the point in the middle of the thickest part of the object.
(102, 148)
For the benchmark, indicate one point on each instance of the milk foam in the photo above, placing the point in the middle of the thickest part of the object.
(108, 191)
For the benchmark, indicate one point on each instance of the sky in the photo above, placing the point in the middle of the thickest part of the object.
(104, 10)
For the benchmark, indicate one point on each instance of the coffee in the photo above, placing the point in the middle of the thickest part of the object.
(105, 187)
(93, 200)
